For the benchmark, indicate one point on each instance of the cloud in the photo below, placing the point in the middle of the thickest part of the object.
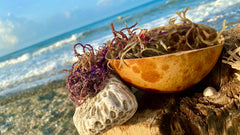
(7, 38)
(67, 14)
(104, 2)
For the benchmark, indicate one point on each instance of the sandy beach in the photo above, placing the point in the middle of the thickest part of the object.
(48, 110)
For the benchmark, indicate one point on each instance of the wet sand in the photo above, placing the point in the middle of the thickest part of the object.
(47, 110)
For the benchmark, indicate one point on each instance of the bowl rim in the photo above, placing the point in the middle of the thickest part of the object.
(170, 54)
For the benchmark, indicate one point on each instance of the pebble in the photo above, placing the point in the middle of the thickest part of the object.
(209, 91)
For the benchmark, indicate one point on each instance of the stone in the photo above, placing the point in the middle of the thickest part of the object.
(209, 91)
(112, 106)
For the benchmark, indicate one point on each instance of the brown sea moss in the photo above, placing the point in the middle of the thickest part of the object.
(162, 40)
(232, 50)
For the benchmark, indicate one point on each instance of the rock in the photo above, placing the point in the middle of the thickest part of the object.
(112, 106)
(209, 91)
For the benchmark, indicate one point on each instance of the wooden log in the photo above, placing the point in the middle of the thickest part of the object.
(185, 114)
(189, 112)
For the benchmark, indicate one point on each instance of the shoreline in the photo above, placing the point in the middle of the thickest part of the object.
(43, 110)
(11, 97)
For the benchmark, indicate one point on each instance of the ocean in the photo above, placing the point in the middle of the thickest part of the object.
(40, 66)
(43, 62)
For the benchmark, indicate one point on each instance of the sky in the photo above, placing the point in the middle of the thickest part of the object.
(26, 22)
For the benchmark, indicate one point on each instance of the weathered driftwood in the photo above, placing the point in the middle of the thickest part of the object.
(189, 112)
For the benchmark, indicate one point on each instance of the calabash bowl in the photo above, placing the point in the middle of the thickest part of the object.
(168, 73)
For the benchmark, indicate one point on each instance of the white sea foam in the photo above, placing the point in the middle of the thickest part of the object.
(196, 14)
(41, 65)
(156, 23)
(22, 58)
(221, 16)
(27, 56)
(24, 86)
(21, 76)
(68, 59)
(39, 71)
(98, 42)
(58, 44)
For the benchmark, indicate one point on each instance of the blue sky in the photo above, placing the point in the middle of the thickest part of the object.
(26, 22)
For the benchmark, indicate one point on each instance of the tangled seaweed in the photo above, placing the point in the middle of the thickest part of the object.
(162, 40)
(233, 59)
(88, 74)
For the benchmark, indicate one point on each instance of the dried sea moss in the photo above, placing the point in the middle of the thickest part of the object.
(87, 76)
(162, 40)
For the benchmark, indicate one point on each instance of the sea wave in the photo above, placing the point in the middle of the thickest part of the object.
(197, 13)
(39, 71)
(16, 78)
(58, 44)
(200, 12)
(28, 85)
(41, 51)
(155, 23)
(13, 61)
(36, 65)
(98, 42)
(69, 61)
(170, 1)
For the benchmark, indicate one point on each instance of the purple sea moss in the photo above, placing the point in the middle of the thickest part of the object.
(87, 76)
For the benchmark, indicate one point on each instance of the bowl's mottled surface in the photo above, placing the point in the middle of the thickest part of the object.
(168, 73)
